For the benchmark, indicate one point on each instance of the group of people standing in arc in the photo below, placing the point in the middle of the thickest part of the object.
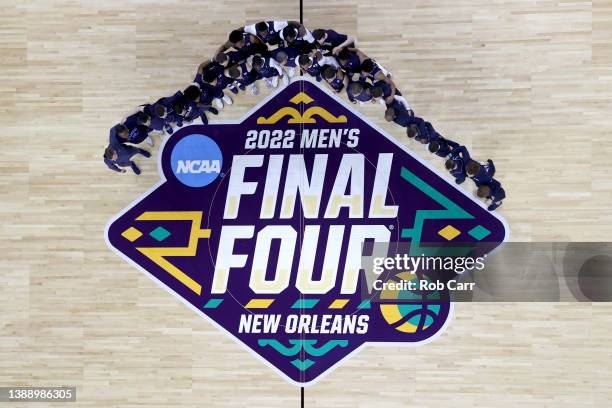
(273, 52)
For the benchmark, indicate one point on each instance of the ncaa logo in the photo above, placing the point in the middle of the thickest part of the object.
(196, 160)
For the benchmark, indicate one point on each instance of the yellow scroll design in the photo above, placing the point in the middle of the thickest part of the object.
(295, 117)
(159, 254)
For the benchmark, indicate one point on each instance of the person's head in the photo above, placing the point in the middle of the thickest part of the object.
(319, 35)
(377, 92)
(390, 114)
(210, 77)
(434, 147)
(261, 29)
(160, 110)
(236, 38)
(123, 132)
(179, 108)
(290, 33)
(483, 191)
(355, 89)
(143, 119)
(344, 55)
(222, 59)
(281, 57)
(192, 93)
(258, 62)
(110, 154)
(367, 66)
(305, 61)
(330, 73)
(472, 168)
(412, 131)
(234, 72)
(450, 165)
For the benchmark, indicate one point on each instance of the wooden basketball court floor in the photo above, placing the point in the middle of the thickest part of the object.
(526, 83)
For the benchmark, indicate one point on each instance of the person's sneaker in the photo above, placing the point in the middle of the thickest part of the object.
(275, 81)
(227, 99)
(268, 82)
(204, 118)
(135, 168)
(254, 90)
(233, 89)
(144, 152)
(214, 111)
(219, 103)
(150, 141)
(494, 206)
(285, 80)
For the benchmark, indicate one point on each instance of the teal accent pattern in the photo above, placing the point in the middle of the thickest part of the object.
(286, 351)
(309, 347)
(160, 234)
(297, 345)
(365, 305)
(451, 211)
(479, 232)
(302, 365)
(213, 303)
(305, 303)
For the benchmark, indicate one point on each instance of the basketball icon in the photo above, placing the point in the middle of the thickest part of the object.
(413, 311)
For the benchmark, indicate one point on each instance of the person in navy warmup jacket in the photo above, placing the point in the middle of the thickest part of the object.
(335, 78)
(480, 172)
(349, 61)
(116, 157)
(442, 147)
(359, 92)
(314, 65)
(492, 192)
(332, 41)
(286, 58)
(243, 77)
(458, 159)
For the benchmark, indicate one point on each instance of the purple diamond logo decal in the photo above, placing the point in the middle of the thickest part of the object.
(260, 226)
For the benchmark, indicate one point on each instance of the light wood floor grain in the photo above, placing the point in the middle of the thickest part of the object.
(527, 83)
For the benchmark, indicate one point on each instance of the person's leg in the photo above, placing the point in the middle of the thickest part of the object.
(144, 153)
(212, 110)
(227, 99)
(135, 168)
(233, 88)
(219, 98)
